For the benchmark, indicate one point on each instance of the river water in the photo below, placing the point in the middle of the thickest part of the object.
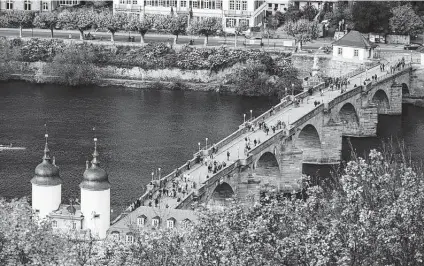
(138, 131)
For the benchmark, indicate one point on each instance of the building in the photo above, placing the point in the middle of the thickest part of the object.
(36, 5)
(148, 218)
(93, 213)
(353, 46)
(232, 12)
(277, 5)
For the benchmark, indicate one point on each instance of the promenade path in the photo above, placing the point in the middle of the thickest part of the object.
(199, 172)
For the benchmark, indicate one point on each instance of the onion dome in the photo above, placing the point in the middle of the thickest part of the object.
(95, 178)
(46, 173)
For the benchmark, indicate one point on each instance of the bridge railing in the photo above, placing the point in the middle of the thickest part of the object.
(305, 118)
(359, 70)
(346, 95)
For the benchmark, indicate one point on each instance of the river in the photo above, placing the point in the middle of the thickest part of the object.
(138, 131)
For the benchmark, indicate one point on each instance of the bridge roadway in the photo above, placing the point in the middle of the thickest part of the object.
(198, 173)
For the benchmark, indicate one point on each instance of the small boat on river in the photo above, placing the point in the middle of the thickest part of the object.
(10, 147)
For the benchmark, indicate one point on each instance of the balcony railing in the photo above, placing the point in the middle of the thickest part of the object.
(237, 13)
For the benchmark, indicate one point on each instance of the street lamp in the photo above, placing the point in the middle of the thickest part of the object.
(292, 89)
(199, 146)
(159, 172)
(251, 116)
(206, 143)
(153, 174)
(244, 118)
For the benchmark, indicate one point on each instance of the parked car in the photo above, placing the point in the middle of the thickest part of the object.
(412, 46)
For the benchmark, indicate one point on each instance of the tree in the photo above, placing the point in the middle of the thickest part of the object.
(113, 22)
(19, 18)
(405, 21)
(171, 24)
(141, 26)
(238, 31)
(46, 20)
(292, 13)
(302, 30)
(74, 66)
(371, 16)
(309, 12)
(206, 27)
(81, 19)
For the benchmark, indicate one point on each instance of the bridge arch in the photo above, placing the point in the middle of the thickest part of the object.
(221, 193)
(381, 100)
(266, 168)
(309, 142)
(348, 114)
(405, 89)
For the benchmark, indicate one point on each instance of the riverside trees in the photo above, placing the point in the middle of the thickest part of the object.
(46, 20)
(19, 19)
(302, 30)
(372, 215)
(207, 27)
(113, 22)
(141, 26)
(81, 20)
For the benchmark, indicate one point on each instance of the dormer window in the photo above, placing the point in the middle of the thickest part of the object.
(54, 224)
(129, 238)
(115, 235)
(141, 221)
(156, 221)
(186, 223)
(170, 223)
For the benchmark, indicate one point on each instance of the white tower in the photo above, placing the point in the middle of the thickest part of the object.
(46, 185)
(95, 197)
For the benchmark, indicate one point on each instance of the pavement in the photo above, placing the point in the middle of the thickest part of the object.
(199, 172)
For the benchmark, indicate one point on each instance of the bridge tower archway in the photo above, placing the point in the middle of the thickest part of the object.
(309, 142)
(221, 194)
(382, 101)
(405, 89)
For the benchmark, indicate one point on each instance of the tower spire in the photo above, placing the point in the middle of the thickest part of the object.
(95, 161)
(46, 146)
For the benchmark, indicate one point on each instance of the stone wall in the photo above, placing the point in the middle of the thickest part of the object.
(328, 66)
(416, 89)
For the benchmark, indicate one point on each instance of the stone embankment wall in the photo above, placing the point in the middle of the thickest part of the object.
(328, 66)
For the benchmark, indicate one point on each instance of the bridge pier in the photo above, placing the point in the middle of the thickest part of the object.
(395, 99)
(331, 143)
(290, 162)
(368, 121)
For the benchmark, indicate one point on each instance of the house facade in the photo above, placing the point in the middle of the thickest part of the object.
(353, 46)
(232, 12)
(36, 5)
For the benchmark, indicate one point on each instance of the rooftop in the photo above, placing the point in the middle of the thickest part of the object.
(353, 39)
(67, 212)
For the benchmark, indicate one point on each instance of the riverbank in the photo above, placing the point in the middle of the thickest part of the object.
(415, 101)
(243, 72)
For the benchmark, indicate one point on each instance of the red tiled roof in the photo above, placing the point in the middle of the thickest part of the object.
(353, 39)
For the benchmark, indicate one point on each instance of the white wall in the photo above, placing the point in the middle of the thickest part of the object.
(98, 202)
(348, 53)
(46, 198)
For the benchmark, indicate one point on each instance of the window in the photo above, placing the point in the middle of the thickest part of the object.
(27, 5)
(356, 52)
(206, 4)
(135, 2)
(155, 222)
(170, 223)
(122, 2)
(74, 225)
(195, 4)
(183, 3)
(114, 235)
(45, 6)
(238, 5)
(244, 22)
(340, 51)
(231, 5)
(54, 224)
(129, 238)
(141, 221)
(244, 5)
(218, 4)
(186, 223)
(269, 5)
(9, 4)
(230, 23)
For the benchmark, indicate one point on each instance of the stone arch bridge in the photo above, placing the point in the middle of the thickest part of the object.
(313, 135)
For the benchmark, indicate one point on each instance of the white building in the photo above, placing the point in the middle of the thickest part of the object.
(278, 5)
(353, 46)
(93, 213)
(232, 12)
(35, 5)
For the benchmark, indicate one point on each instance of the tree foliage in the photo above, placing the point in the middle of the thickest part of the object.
(19, 19)
(80, 19)
(46, 20)
(302, 30)
(405, 21)
(141, 26)
(74, 66)
(207, 27)
(371, 16)
(113, 22)
(174, 25)
(309, 12)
